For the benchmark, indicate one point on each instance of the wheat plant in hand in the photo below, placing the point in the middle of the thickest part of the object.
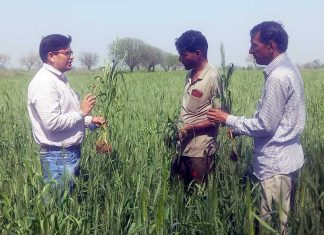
(225, 100)
(105, 87)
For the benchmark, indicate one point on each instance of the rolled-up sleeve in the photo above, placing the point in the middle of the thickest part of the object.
(269, 114)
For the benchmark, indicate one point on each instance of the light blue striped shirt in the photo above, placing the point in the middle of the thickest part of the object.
(278, 122)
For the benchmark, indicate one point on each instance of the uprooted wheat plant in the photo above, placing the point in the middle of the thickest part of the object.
(105, 88)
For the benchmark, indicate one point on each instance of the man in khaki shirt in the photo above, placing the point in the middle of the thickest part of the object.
(197, 143)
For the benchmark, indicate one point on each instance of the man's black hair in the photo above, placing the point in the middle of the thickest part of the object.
(53, 42)
(192, 41)
(272, 31)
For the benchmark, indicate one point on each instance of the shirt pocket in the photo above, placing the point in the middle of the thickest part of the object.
(194, 100)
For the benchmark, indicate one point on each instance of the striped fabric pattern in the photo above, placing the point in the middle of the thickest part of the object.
(278, 122)
(53, 108)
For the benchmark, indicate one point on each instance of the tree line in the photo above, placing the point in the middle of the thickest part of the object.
(134, 54)
(131, 52)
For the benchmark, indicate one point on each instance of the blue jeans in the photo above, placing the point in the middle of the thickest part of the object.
(61, 165)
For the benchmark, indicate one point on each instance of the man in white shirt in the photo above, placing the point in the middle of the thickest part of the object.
(58, 117)
(277, 124)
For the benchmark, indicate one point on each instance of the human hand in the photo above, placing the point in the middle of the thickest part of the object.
(216, 115)
(182, 134)
(98, 121)
(185, 131)
(87, 104)
(231, 134)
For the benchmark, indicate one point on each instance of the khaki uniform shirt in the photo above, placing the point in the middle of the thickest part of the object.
(196, 101)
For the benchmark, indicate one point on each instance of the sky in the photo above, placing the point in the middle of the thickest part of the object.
(94, 24)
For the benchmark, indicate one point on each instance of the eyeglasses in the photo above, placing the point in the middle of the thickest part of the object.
(66, 53)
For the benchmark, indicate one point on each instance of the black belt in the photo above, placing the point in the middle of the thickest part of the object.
(47, 148)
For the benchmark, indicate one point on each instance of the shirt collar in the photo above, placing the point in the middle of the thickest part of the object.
(59, 74)
(202, 74)
(274, 63)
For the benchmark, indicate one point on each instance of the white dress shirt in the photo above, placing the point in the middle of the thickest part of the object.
(278, 121)
(54, 110)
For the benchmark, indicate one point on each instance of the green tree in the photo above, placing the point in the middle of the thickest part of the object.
(127, 49)
(88, 59)
(4, 60)
(170, 61)
(151, 57)
(31, 60)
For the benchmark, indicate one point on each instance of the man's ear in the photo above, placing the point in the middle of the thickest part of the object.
(272, 46)
(50, 58)
(199, 53)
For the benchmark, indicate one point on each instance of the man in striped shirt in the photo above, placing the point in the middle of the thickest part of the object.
(278, 122)
(57, 116)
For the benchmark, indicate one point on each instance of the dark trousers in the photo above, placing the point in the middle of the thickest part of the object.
(192, 170)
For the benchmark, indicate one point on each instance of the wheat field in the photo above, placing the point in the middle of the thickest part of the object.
(129, 191)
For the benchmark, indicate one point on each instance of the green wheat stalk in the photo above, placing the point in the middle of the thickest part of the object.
(225, 100)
